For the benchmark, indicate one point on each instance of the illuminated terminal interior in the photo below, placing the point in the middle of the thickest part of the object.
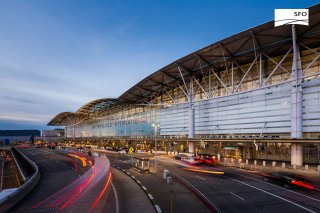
(255, 94)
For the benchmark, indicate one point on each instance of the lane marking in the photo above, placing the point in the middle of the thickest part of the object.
(150, 196)
(116, 196)
(144, 188)
(269, 193)
(200, 177)
(237, 196)
(276, 186)
(133, 177)
(138, 182)
(158, 208)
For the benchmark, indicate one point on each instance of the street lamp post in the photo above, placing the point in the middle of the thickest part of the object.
(156, 146)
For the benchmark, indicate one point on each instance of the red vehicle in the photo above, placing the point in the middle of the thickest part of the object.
(208, 161)
(51, 145)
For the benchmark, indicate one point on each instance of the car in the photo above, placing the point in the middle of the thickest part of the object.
(142, 151)
(51, 145)
(122, 151)
(191, 160)
(180, 156)
(207, 161)
(289, 179)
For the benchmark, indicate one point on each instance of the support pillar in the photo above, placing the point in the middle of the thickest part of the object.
(296, 90)
(191, 147)
(191, 111)
(297, 154)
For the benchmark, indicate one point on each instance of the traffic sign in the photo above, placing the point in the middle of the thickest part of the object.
(131, 150)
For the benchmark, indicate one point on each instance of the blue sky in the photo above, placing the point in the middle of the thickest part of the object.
(57, 55)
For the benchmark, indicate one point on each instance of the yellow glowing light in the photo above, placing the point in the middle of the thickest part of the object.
(83, 160)
(205, 171)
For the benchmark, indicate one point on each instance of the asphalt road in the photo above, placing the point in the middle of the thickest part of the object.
(167, 196)
(56, 172)
(130, 197)
(238, 190)
(68, 187)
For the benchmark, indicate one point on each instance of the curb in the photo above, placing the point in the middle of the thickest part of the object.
(150, 197)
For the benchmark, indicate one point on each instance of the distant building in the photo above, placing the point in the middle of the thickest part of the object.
(7, 137)
(52, 133)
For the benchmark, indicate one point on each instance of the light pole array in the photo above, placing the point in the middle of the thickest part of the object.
(155, 126)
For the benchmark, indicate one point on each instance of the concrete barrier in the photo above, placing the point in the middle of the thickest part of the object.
(12, 199)
(196, 192)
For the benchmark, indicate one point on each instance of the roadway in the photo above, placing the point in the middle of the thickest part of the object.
(56, 172)
(9, 172)
(68, 185)
(238, 190)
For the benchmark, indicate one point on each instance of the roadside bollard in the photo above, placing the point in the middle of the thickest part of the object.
(319, 169)
(306, 167)
(274, 163)
(247, 161)
(264, 163)
(255, 162)
(283, 165)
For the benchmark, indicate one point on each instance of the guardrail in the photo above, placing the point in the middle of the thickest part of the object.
(30, 182)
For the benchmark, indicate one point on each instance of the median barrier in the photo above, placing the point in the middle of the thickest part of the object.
(31, 181)
(196, 192)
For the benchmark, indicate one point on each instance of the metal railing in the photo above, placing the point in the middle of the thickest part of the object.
(31, 181)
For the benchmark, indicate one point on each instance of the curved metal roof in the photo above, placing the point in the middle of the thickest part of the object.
(96, 106)
(241, 48)
(66, 119)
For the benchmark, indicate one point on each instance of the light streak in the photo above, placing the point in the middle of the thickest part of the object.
(298, 183)
(79, 191)
(83, 160)
(204, 171)
(101, 194)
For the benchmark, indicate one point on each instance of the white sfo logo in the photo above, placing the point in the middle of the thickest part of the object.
(291, 16)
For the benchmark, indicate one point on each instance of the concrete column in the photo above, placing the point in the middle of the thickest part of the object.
(297, 154)
(191, 147)
(191, 111)
(296, 90)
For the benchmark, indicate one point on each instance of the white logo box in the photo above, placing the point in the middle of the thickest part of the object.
(291, 16)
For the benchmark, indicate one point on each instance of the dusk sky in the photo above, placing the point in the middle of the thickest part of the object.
(57, 55)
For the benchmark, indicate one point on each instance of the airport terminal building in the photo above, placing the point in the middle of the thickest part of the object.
(255, 94)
